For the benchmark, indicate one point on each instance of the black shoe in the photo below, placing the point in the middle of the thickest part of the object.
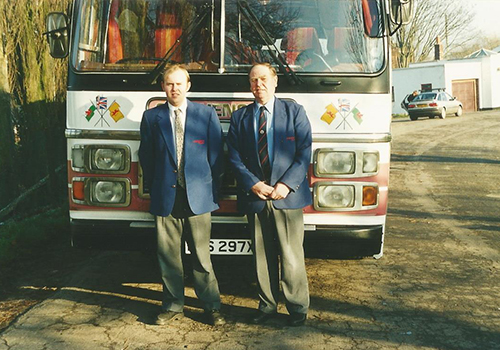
(297, 319)
(215, 318)
(260, 317)
(164, 317)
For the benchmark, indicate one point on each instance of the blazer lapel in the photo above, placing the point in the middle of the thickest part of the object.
(279, 126)
(166, 131)
(190, 124)
(249, 126)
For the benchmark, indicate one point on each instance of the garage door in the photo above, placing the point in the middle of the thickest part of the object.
(466, 92)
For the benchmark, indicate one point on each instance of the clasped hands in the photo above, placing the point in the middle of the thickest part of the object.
(265, 192)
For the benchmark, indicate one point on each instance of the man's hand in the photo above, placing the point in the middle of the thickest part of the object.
(262, 190)
(280, 191)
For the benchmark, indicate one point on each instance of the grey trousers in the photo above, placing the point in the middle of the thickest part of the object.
(280, 233)
(196, 230)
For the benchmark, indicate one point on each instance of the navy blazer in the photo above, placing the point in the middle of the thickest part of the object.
(202, 158)
(292, 155)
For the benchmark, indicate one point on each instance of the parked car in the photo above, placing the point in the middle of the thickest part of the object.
(432, 104)
(408, 98)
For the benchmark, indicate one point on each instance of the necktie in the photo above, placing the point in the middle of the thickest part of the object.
(179, 141)
(262, 145)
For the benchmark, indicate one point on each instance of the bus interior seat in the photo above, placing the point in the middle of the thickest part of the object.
(299, 40)
(168, 31)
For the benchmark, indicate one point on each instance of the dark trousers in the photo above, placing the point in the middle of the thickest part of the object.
(196, 231)
(280, 233)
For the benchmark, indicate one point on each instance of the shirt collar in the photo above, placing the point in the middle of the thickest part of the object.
(182, 107)
(269, 105)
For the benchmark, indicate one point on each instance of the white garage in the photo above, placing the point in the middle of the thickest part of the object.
(475, 80)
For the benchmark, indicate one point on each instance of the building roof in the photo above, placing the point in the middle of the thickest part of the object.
(497, 49)
(482, 53)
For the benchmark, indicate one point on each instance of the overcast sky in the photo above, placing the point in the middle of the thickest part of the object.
(487, 16)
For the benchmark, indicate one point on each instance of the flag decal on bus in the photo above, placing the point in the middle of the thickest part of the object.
(343, 110)
(101, 107)
(330, 114)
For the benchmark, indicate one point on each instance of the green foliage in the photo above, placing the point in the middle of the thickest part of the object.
(32, 103)
(32, 234)
(6, 146)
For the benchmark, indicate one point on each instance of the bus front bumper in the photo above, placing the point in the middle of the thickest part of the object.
(324, 241)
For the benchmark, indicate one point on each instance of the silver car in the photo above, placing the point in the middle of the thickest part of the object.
(434, 104)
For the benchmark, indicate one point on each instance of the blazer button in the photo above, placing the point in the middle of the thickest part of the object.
(173, 186)
(175, 171)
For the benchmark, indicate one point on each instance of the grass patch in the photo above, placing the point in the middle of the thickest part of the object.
(25, 237)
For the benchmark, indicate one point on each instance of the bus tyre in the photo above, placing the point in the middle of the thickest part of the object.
(413, 117)
(459, 111)
(443, 113)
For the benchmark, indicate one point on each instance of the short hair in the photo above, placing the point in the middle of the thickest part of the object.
(172, 67)
(265, 64)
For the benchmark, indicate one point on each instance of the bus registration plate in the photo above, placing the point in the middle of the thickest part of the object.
(228, 247)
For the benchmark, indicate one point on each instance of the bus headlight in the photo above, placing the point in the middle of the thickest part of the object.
(101, 159)
(335, 196)
(109, 191)
(102, 191)
(370, 162)
(108, 159)
(345, 196)
(328, 162)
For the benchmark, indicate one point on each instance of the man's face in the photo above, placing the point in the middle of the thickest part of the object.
(176, 86)
(262, 84)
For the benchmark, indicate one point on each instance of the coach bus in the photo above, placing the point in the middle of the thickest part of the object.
(333, 57)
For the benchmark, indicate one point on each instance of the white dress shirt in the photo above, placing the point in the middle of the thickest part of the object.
(182, 108)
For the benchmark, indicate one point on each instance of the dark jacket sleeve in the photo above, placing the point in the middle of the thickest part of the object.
(236, 142)
(146, 151)
(295, 174)
(215, 153)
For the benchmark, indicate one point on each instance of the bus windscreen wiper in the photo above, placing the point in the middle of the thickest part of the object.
(186, 37)
(264, 35)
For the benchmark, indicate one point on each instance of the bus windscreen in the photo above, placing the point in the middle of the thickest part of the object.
(306, 37)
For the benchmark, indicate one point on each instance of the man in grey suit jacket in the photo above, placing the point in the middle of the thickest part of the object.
(181, 159)
(269, 144)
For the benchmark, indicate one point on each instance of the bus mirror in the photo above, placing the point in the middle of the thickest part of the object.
(401, 11)
(372, 18)
(57, 34)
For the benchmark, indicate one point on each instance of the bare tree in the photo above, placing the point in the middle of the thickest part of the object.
(481, 42)
(447, 19)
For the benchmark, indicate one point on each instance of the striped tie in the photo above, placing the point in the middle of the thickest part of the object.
(179, 141)
(262, 145)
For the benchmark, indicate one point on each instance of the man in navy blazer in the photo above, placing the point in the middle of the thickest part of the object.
(269, 144)
(181, 159)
